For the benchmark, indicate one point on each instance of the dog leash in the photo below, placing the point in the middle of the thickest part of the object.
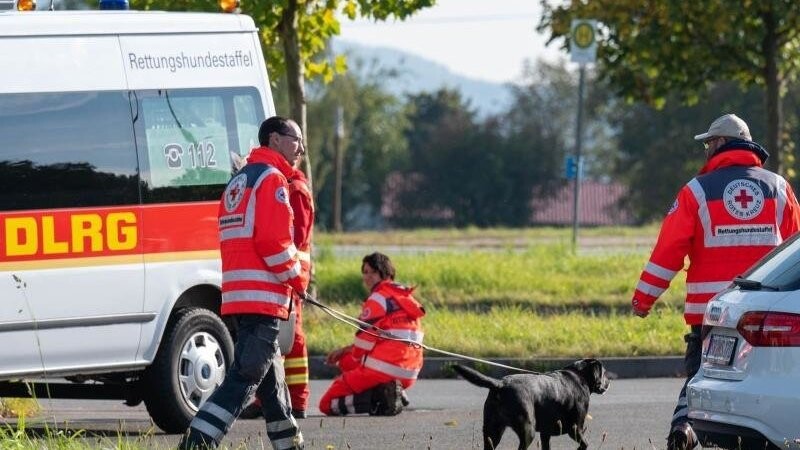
(383, 334)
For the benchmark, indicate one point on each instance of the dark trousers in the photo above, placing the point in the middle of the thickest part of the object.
(257, 370)
(694, 349)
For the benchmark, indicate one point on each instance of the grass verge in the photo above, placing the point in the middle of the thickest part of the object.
(541, 276)
(517, 332)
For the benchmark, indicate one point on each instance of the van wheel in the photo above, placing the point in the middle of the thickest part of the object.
(190, 364)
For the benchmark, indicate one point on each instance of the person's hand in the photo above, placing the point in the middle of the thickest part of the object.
(303, 295)
(334, 356)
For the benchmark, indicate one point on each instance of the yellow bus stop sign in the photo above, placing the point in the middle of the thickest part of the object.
(583, 42)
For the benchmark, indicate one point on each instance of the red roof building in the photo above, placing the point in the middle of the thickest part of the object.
(599, 205)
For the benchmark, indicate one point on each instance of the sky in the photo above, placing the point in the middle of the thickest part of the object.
(483, 39)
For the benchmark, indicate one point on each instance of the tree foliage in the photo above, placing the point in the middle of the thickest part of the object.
(468, 171)
(657, 153)
(373, 145)
(652, 51)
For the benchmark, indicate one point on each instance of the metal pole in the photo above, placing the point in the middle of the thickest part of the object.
(577, 191)
(338, 169)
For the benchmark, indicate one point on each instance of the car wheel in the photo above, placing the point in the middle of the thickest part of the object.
(195, 352)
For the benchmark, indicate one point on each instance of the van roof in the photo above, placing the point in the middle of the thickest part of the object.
(55, 23)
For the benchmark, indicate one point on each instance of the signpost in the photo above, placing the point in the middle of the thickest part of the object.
(583, 50)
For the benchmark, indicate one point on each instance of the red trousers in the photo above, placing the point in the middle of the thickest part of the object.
(356, 381)
(295, 364)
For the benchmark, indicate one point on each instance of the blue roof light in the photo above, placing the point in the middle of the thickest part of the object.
(113, 4)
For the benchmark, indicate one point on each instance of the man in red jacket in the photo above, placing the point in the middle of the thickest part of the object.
(260, 269)
(375, 370)
(724, 220)
(296, 361)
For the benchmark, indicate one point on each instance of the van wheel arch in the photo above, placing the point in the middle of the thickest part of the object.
(203, 296)
(190, 364)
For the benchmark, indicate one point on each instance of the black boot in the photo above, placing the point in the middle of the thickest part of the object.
(194, 440)
(362, 404)
(681, 437)
(387, 399)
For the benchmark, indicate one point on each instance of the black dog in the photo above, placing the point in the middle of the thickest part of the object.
(552, 403)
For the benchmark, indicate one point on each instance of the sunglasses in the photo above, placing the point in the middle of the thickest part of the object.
(297, 139)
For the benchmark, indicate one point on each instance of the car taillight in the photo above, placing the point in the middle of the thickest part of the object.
(770, 329)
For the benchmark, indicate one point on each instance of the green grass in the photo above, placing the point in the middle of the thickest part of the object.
(520, 333)
(509, 299)
(544, 276)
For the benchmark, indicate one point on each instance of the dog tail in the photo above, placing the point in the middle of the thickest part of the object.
(477, 378)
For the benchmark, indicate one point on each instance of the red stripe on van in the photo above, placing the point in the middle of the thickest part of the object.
(94, 232)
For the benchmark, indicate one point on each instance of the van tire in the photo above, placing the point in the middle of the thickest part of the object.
(190, 364)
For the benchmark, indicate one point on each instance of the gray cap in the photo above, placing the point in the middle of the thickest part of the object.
(728, 125)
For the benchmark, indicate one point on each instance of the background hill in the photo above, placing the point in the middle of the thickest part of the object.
(404, 72)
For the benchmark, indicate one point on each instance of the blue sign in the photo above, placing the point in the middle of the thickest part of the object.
(571, 167)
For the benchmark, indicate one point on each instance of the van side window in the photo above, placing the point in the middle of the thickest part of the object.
(185, 137)
(247, 122)
(63, 150)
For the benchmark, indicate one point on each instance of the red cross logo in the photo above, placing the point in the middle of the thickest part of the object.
(235, 193)
(743, 198)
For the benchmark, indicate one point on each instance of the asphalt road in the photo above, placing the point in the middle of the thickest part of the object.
(444, 414)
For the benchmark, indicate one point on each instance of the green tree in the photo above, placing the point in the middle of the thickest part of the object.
(374, 143)
(649, 50)
(444, 145)
(467, 172)
(656, 153)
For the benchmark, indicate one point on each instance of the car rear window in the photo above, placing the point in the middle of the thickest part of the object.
(780, 268)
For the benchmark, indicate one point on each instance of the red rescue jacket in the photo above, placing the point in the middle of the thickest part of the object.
(392, 308)
(259, 260)
(724, 220)
(302, 203)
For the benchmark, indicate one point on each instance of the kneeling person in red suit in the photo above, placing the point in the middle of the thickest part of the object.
(376, 370)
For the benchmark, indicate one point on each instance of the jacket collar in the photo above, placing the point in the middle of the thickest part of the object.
(732, 155)
(266, 155)
(298, 174)
(379, 284)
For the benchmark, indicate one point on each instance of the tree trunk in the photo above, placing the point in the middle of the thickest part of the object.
(295, 76)
(772, 77)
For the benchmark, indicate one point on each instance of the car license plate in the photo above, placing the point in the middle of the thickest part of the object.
(720, 349)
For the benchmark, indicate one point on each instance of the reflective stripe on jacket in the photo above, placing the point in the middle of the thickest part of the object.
(392, 308)
(724, 219)
(259, 259)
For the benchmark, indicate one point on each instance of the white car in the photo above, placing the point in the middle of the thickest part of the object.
(747, 391)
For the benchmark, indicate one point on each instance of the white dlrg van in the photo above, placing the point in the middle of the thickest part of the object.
(116, 134)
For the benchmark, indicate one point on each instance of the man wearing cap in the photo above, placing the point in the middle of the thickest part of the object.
(724, 219)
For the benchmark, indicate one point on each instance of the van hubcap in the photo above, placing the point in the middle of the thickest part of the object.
(201, 368)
